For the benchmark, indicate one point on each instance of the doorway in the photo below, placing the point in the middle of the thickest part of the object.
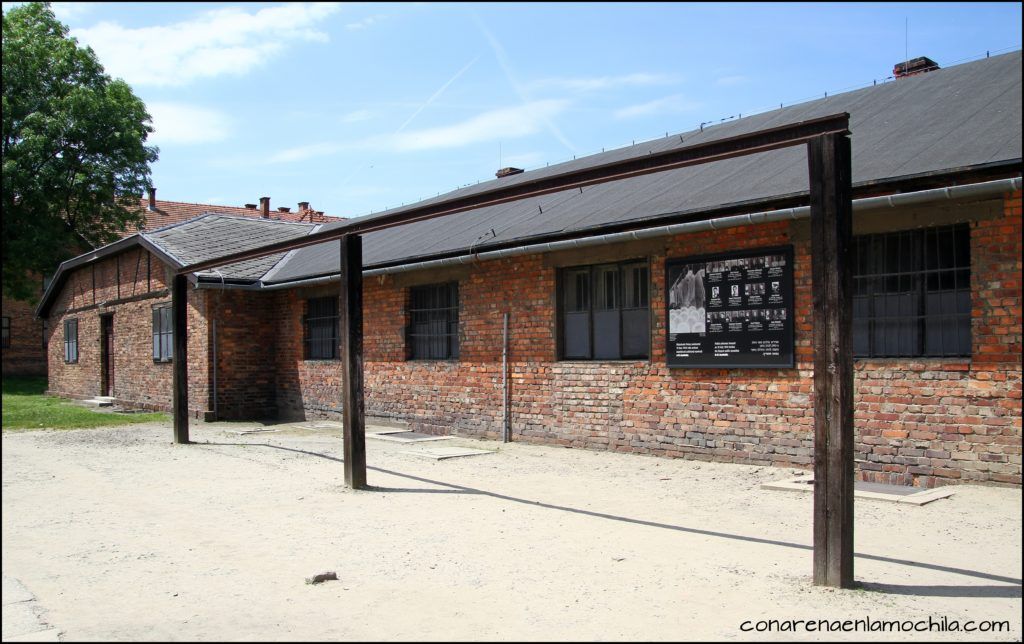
(107, 355)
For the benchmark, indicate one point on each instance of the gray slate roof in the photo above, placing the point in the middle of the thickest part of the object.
(947, 120)
(210, 235)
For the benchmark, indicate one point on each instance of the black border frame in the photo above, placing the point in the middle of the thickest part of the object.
(694, 259)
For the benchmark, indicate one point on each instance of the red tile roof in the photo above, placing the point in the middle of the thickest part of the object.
(172, 212)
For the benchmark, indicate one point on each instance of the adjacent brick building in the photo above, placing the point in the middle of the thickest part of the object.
(937, 302)
(24, 346)
(24, 340)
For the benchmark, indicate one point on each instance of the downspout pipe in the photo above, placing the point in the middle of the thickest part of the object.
(967, 191)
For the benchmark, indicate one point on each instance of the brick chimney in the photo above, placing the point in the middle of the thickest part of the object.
(507, 172)
(303, 206)
(265, 207)
(914, 66)
(283, 209)
(152, 199)
(250, 206)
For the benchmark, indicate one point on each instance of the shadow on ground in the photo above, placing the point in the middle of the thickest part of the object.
(1012, 591)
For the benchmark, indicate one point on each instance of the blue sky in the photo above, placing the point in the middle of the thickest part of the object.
(358, 107)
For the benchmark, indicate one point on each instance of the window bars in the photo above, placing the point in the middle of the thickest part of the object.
(320, 338)
(433, 331)
(912, 293)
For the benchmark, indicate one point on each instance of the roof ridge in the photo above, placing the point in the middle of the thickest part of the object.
(179, 223)
(198, 203)
(241, 218)
(143, 203)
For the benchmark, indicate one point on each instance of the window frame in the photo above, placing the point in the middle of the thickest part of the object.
(166, 317)
(333, 341)
(451, 313)
(592, 298)
(71, 343)
(871, 265)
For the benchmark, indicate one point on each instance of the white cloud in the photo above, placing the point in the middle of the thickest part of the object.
(669, 104)
(525, 160)
(517, 87)
(222, 41)
(182, 124)
(435, 95)
(305, 152)
(495, 125)
(368, 21)
(356, 116)
(505, 123)
(66, 11)
(728, 81)
(605, 82)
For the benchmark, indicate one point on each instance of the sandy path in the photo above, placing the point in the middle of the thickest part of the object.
(121, 535)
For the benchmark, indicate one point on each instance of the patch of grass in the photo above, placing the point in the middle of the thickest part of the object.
(25, 407)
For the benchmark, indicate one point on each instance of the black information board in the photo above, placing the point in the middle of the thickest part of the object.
(730, 309)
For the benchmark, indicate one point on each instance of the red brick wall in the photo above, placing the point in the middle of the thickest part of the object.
(26, 355)
(245, 353)
(924, 422)
(303, 386)
(128, 286)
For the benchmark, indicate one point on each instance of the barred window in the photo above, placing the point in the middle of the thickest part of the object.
(433, 331)
(605, 312)
(912, 293)
(71, 341)
(163, 333)
(6, 332)
(321, 328)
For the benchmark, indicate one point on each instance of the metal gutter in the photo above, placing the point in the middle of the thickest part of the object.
(974, 190)
(968, 191)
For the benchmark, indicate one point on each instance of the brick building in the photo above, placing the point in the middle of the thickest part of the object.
(591, 282)
(24, 336)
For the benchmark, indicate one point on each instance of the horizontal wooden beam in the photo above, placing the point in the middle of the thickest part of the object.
(718, 150)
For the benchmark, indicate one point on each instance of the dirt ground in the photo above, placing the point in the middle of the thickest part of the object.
(119, 535)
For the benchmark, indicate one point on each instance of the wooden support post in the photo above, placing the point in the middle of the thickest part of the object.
(179, 312)
(831, 238)
(351, 323)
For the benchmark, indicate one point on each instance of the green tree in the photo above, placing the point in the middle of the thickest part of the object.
(75, 159)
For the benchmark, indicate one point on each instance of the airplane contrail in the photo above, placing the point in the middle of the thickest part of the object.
(426, 104)
(499, 53)
(436, 94)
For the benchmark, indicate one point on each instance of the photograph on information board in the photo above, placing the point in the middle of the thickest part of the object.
(731, 309)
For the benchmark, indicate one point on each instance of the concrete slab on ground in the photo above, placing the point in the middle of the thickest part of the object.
(876, 491)
(253, 430)
(442, 453)
(20, 617)
(405, 436)
(319, 425)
